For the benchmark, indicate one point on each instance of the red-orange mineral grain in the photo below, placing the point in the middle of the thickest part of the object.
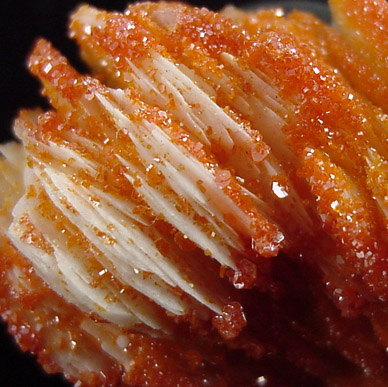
(210, 207)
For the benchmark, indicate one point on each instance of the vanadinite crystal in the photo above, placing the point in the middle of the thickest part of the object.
(210, 206)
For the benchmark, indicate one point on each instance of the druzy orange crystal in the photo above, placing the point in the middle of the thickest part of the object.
(210, 206)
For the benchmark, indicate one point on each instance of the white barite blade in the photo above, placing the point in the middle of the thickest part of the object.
(112, 341)
(150, 141)
(12, 163)
(127, 261)
(70, 271)
(187, 90)
(102, 215)
(69, 348)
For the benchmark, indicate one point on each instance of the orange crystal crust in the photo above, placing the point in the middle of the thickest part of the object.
(211, 207)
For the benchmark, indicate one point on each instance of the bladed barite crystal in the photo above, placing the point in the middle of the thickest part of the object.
(210, 206)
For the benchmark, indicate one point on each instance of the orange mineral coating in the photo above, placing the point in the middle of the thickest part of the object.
(340, 54)
(333, 117)
(326, 43)
(35, 313)
(295, 304)
(71, 84)
(364, 27)
(193, 50)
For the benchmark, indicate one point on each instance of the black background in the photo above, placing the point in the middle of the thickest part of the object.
(21, 23)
